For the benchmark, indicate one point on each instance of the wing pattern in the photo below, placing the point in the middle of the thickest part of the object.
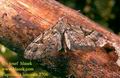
(52, 40)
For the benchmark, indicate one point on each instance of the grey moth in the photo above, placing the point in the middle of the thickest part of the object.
(63, 37)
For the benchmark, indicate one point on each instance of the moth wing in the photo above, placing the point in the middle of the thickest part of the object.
(76, 40)
(43, 45)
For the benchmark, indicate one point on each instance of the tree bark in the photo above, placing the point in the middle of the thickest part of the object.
(21, 21)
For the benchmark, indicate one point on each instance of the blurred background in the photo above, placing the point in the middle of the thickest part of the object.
(104, 12)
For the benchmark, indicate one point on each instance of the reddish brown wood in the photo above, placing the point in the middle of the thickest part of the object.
(22, 20)
(93, 64)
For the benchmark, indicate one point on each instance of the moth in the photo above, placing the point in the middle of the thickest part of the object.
(63, 37)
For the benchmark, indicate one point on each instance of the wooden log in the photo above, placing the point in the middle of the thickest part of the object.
(21, 21)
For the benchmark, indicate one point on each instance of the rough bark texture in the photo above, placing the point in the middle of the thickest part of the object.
(21, 21)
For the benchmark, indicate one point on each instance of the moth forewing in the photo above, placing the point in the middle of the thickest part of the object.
(43, 45)
(94, 35)
(72, 37)
(53, 41)
(31, 50)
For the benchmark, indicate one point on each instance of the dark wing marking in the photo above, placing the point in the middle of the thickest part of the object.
(98, 38)
(73, 37)
(76, 39)
(43, 45)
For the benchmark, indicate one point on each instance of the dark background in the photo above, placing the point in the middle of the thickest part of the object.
(104, 12)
